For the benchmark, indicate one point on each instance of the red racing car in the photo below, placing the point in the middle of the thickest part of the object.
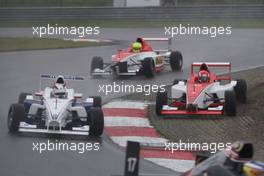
(140, 58)
(204, 92)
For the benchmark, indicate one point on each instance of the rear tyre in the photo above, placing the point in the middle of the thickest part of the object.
(97, 101)
(241, 90)
(16, 114)
(96, 122)
(148, 67)
(230, 103)
(176, 60)
(161, 99)
(97, 63)
(22, 97)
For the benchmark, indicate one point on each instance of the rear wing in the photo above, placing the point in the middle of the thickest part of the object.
(226, 65)
(168, 40)
(66, 77)
(212, 64)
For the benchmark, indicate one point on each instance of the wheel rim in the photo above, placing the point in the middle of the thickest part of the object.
(10, 117)
(180, 64)
(152, 68)
(91, 126)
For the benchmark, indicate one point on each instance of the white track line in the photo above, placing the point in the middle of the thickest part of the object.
(112, 121)
(130, 122)
(122, 140)
(174, 164)
(126, 104)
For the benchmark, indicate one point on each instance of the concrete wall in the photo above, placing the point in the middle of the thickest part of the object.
(137, 13)
(119, 3)
(135, 3)
(142, 3)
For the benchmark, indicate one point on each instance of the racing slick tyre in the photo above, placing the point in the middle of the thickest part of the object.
(22, 97)
(97, 101)
(161, 99)
(148, 67)
(241, 90)
(96, 122)
(97, 62)
(175, 60)
(15, 114)
(230, 103)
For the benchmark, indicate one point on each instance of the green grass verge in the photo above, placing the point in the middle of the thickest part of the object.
(256, 101)
(258, 23)
(15, 44)
(58, 3)
(235, 2)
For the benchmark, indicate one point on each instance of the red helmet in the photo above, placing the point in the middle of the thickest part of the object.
(203, 76)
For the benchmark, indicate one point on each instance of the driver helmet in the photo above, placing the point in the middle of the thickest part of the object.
(136, 47)
(60, 83)
(204, 67)
(253, 168)
(203, 76)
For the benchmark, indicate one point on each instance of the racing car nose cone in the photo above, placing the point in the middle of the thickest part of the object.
(55, 116)
(192, 107)
(54, 124)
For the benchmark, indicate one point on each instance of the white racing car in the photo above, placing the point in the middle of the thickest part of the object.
(139, 59)
(203, 93)
(57, 110)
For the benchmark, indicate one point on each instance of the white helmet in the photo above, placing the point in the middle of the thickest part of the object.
(60, 82)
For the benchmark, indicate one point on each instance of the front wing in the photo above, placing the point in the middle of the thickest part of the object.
(25, 127)
(167, 110)
(108, 70)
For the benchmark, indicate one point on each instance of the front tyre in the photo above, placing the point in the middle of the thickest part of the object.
(161, 99)
(16, 114)
(97, 63)
(148, 67)
(96, 122)
(22, 97)
(241, 90)
(230, 103)
(97, 101)
(176, 60)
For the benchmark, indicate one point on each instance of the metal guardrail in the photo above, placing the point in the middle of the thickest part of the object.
(135, 13)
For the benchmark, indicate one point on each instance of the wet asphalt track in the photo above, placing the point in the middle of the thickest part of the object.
(19, 72)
